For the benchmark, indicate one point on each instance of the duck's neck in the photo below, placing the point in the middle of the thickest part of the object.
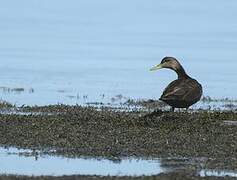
(181, 72)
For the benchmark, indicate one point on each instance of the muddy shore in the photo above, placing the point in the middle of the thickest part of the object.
(75, 131)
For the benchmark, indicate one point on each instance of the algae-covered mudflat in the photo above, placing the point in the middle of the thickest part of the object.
(77, 130)
(187, 143)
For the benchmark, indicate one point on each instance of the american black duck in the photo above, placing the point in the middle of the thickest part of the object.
(182, 92)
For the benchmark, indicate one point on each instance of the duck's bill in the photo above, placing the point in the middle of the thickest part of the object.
(156, 67)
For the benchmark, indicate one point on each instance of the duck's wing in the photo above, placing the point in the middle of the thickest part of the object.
(175, 90)
(180, 89)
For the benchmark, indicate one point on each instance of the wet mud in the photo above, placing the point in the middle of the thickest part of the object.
(75, 131)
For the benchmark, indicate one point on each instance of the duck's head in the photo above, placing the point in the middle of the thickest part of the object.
(168, 62)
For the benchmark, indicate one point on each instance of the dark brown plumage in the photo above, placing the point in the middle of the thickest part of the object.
(182, 92)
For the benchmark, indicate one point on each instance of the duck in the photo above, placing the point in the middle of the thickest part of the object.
(182, 92)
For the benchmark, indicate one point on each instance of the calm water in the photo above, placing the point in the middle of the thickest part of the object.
(75, 51)
(23, 162)
(217, 173)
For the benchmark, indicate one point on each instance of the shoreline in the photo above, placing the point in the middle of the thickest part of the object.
(79, 131)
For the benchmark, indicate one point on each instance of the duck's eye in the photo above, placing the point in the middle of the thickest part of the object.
(165, 61)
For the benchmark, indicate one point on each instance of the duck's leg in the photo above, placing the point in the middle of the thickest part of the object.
(172, 109)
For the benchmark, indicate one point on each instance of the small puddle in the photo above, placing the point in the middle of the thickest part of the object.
(230, 123)
(22, 162)
(216, 173)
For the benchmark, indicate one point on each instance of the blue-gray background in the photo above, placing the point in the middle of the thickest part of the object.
(64, 49)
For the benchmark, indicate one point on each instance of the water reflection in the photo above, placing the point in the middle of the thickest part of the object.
(26, 162)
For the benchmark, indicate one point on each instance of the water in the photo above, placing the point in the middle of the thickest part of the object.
(22, 162)
(216, 173)
(27, 162)
(78, 51)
